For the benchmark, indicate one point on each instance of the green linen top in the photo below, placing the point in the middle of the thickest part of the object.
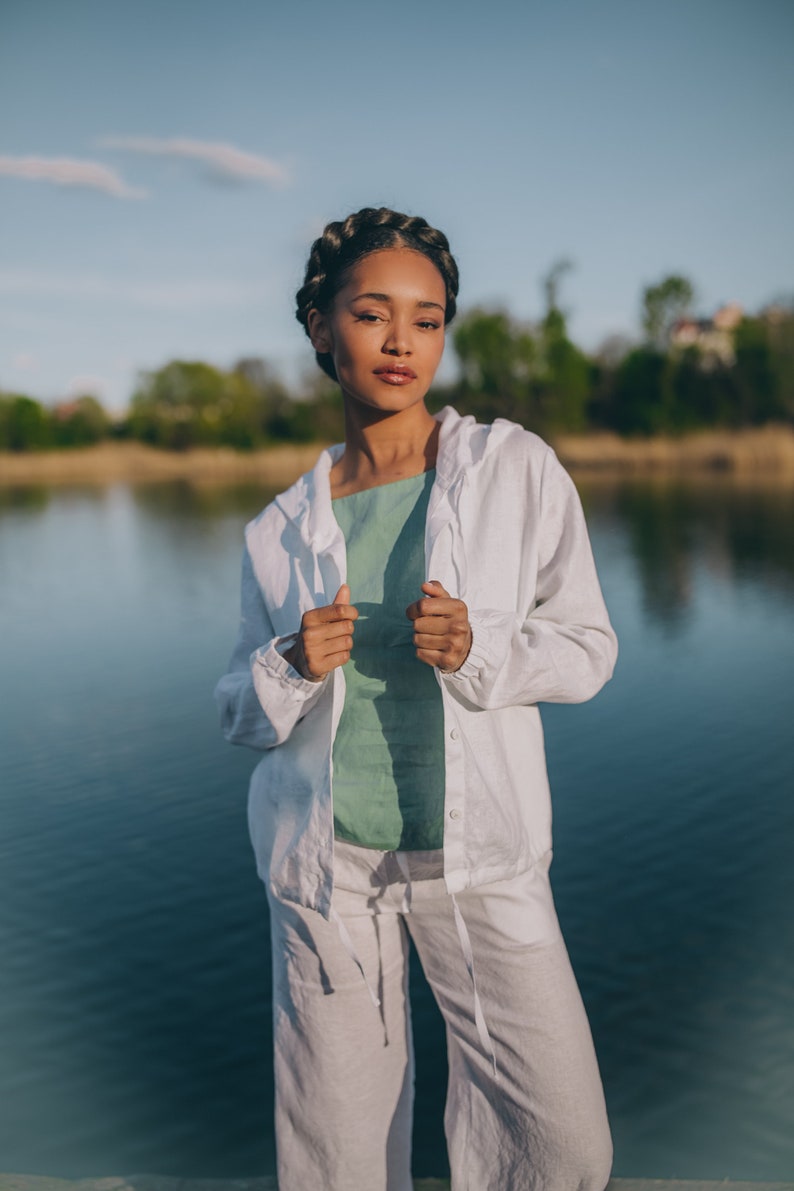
(388, 756)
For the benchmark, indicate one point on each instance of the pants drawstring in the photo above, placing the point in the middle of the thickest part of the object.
(350, 948)
(406, 872)
(479, 1016)
(468, 956)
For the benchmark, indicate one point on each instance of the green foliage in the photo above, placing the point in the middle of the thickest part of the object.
(498, 359)
(532, 374)
(191, 404)
(642, 395)
(565, 380)
(184, 405)
(535, 376)
(663, 304)
(24, 424)
(79, 423)
(763, 373)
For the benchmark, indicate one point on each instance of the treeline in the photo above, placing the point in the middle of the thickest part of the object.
(536, 376)
(27, 425)
(685, 374)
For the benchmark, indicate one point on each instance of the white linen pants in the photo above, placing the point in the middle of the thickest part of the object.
(344, 1067)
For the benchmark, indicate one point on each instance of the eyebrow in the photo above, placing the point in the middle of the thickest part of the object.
(385, 298)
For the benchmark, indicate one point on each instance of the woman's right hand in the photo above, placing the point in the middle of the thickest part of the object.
(325, 638)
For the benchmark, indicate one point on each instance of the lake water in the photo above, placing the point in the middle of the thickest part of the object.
(134, 977)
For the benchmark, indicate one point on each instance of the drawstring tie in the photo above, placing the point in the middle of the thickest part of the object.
(479, 1016)
(465, 945)
(406, 872)
(350, 948)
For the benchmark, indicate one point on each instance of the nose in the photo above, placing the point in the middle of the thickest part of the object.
(396, 340)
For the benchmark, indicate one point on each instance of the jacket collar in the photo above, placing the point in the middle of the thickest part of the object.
(308, 502)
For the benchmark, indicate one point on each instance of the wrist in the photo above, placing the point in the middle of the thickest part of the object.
(294, 655)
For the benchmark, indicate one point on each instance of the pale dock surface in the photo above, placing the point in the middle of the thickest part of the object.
(152, 1182)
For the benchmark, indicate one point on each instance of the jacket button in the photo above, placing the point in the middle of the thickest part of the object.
(455, 813)
(453, 734)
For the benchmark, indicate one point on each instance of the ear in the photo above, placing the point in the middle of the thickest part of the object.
(319, 332)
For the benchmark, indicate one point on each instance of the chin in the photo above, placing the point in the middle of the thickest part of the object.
(386, 403)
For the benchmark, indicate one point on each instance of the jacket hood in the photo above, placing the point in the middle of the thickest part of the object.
(463, 444)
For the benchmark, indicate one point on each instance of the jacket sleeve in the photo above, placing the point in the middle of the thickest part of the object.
(262, 697)
(564, 649)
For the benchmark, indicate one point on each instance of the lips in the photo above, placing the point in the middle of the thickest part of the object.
(395, 374)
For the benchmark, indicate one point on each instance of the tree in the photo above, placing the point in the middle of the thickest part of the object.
(757, 377)
(643, 393)
(80, 422)
(497, 357)
(24, 424)
(663, 305)
(189, 403)
(564, 377)
(551, 283)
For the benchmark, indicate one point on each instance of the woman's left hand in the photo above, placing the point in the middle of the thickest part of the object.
(442, 633)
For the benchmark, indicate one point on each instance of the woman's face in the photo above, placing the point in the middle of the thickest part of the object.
(385, 329)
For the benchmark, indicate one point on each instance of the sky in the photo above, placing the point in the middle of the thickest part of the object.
(165, 165)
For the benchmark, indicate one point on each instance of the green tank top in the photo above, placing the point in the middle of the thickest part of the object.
(388, 752)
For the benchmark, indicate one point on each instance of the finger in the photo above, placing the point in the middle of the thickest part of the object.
(435, 626)
(318, 669)
(453, 647)
(329, 613)
(436, 591)
(436, 657)
(316, 634)
(413, 611)
(440, 609)
(433, 588)
(343, 595)
(444, 608)
(446, 660)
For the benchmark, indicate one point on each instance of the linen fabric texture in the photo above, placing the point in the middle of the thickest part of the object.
(344, 1068)
(505, 533)
(388, 754)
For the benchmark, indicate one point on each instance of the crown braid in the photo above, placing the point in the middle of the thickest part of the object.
(343, 244)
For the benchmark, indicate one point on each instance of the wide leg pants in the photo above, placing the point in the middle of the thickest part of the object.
(529, 1116)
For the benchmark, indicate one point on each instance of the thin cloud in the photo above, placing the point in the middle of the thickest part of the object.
(227, 161)
(68, 171)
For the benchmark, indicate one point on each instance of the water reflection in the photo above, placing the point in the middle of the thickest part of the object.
(24, 498)
(132, 927)
(179, 498)
(676, 529)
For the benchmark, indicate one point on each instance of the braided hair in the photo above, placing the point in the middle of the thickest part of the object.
(344, 243)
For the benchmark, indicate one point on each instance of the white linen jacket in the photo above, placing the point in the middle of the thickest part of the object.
(506, 534)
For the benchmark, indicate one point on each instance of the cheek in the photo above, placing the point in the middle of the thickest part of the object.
(345, 356)
(437, 349)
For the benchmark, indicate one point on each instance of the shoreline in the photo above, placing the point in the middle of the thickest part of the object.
(765, 453)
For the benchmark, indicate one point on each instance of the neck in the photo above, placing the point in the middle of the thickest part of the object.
(380, 448)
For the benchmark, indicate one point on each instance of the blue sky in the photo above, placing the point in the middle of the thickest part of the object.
(212, 141)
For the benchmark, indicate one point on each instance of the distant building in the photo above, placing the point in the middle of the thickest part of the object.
(712, 337)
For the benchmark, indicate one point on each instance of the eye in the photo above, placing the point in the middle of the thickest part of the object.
(368, 318)
(428, 324)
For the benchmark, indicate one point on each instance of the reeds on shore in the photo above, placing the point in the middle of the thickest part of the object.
(766, 452)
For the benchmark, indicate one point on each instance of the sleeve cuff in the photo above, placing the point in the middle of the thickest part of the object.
(483, 652)
(272, 661)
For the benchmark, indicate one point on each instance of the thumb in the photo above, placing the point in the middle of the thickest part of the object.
(342, 596)
(433, 588)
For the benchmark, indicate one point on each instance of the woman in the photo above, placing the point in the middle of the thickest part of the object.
(405, 606)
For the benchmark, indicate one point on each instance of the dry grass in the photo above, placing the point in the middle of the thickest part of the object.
(765, 453)
(111, 463)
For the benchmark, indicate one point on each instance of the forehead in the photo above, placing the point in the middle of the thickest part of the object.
(397, 272)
